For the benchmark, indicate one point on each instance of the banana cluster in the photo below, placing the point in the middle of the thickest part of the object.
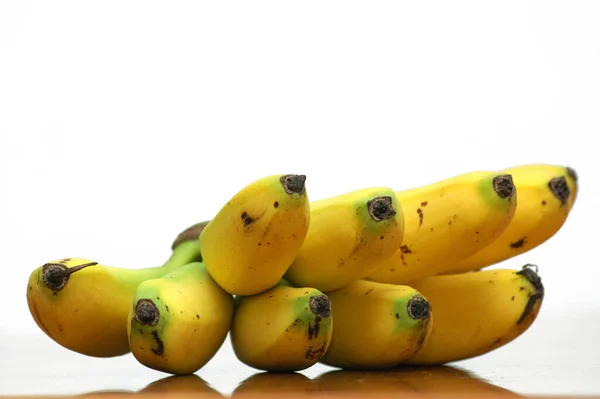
(370, 279)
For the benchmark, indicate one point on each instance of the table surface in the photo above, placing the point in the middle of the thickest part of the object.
(558, 356)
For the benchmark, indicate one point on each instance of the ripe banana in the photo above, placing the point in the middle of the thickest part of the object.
(348, 233)
(177, 323)
(546, 196)
(376, 325)
(478, 312)
(282, 329)
(83, 305)
(447, 221)
(252, 240)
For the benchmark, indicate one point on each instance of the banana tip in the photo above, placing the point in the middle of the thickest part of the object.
(560, 189)
(293, 184)
(320, 305)
(504, 186)
(381, 208)
(146, 312)
(418, 307)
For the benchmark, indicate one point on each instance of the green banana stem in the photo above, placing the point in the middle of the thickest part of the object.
(184, 253)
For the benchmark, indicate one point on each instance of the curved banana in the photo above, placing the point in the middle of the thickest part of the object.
(83, 305)
(478, 312)
(348, 234)
(376, 325)
(178, 322)
(282, 329)
(546, 197)
(250, 243)
(447, 221)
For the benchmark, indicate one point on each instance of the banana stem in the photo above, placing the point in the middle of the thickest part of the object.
(184, 253)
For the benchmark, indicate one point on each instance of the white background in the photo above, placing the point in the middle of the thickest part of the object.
(122, 123)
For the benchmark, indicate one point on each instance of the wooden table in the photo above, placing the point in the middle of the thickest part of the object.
(558, 357)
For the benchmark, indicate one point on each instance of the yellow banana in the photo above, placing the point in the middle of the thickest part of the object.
(282, 329)
(376, 325)
(478, 312)
(250, 243)
(177, 323)
(83, 305)
(546, 196)
(447, 221)
(348, 233)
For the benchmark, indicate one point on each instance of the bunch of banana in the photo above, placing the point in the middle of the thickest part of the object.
(366, 280)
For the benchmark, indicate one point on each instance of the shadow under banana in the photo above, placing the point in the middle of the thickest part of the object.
(417, 379)
(269, 382)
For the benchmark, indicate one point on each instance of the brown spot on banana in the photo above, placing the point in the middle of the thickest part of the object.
(160, 346)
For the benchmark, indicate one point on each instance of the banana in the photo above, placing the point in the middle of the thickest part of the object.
(446, 221)
(177, 323)
(348, 233)
(546, 197)
(478, 312)
(376, 325)
(83, 305)
(252, 240)
(282, 329)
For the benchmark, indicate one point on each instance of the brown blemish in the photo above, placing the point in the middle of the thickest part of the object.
(504, 186)
(513, 298)
(160, 347)
(167, 307)
(293, 184)
(192, 233)
(56, 275)
(397, 316)
(247, 218)
(424, 203)
(420, 213)
(368, 292)
(146, 312)
(518, 243)
(313, 330)
(418, 307)
(276, 204)
(405, 250)
(315, 354)
(560, 189)
(533, 277)
(298, 322)
(543, 203)
(198, 316)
